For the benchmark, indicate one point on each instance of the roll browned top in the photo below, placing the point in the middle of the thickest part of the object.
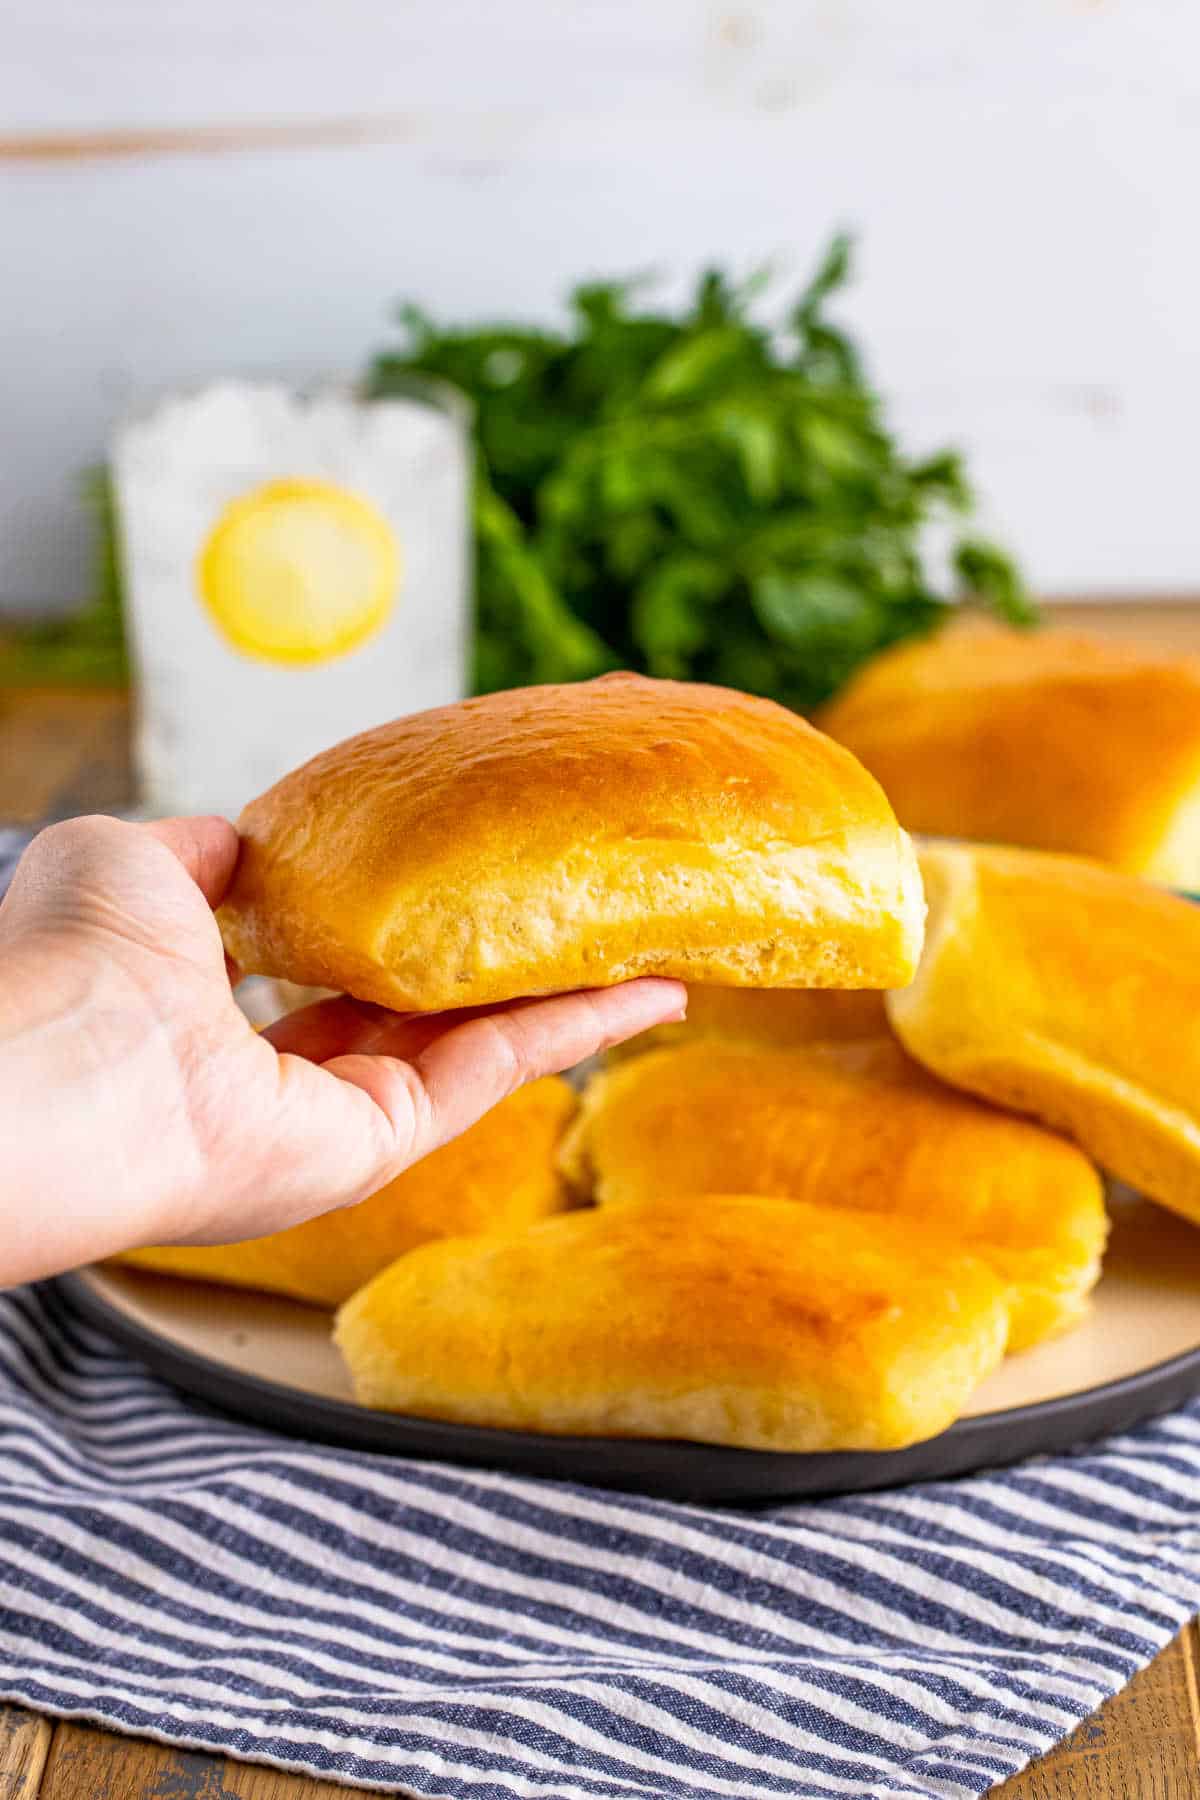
(550, 838)
(1043, 738)
(1066, 990)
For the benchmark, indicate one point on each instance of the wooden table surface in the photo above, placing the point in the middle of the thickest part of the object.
(63, 752)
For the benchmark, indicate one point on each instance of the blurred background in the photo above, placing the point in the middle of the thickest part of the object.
(193, 191)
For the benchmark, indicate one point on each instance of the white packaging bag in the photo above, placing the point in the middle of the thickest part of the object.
(296, 567)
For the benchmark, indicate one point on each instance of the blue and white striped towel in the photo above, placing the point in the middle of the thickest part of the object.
(421, 1628)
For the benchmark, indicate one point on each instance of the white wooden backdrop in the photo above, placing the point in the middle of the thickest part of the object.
(194, 186)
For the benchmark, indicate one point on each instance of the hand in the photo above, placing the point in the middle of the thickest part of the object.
(138, 1105)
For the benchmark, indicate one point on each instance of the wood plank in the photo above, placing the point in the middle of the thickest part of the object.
(250, 1782)
(1144, 1744)
(1189, 1641)
(24, 1747)
(206, 140)
(88, 1764)
(63, 751)
(1172, 625)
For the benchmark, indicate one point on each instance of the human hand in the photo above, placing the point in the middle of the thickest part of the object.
(138, 1105)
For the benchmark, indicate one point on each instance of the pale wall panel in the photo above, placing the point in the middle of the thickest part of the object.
(75, 65)
(1022, 175)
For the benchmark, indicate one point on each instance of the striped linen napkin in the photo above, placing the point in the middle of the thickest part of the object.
(425, 1629)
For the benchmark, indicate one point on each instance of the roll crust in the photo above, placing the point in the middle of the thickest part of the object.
(552, 838)
(1070, 992)
(861, 1129)
(774, 1327)
(1045, 739)
(498, 1175)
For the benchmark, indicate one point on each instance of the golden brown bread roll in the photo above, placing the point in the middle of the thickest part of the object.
(553, 838)
(1041, 738)
(499, 1174)
(730, 1320)
(859, 1128)
(772, 1017)
(1068, 991)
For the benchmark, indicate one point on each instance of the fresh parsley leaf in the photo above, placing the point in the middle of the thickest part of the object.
(988, 575)
(704, 494)
(700, 495)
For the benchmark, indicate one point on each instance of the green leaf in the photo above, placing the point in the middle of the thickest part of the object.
(696, 363)
(601, 304)
(756, 438)
(692, 491)
(990, 577)
(811, 608)
(836, 448)
(943, 478)
(672, 617)
(560, 647)
(634, 541)
(742, 658)
(832, 272)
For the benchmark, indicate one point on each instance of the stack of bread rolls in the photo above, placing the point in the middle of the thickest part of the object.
(818, 1213)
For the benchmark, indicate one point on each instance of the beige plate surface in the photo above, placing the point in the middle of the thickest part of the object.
(1146, 1310)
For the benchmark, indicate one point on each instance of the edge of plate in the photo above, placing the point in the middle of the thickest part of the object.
(660, 1468)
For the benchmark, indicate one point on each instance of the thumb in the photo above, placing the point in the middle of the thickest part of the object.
(334, 1132)
(207, 847)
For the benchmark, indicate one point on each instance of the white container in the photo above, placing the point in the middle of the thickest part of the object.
(296, 569)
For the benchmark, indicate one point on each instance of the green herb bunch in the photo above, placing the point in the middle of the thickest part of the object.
(700, 496)
(703, 496)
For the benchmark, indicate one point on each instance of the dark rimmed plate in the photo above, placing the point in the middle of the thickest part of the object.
(271, 1360)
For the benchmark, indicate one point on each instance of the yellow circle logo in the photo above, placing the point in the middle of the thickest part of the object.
(299, 572)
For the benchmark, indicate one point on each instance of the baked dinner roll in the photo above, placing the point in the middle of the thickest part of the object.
(861, 1129)
(1040, 738)
(732, 1321)
(1071, 992)
(774, 1017)
(552, 838)
(497, 1175)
